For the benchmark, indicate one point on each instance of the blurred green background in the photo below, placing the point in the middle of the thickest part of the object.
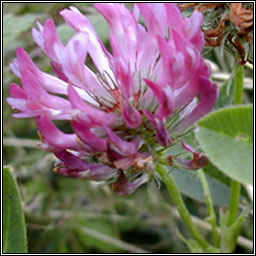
(78, 216)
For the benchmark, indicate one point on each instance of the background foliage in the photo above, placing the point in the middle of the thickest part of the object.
(77, 216)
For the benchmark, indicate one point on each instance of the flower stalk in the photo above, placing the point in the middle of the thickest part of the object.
(239, 84)
(212, 219)
(234, 201)
(178, 201)
(236, 186)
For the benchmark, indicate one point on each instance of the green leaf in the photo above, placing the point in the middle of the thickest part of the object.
(14, 45)
(230, 234)
(13, 26)
(57, 240)
(226, 137)
(215, 173)
(14, 231)
(190, 185)
(223, 220)
(195, 247)
(227, 92)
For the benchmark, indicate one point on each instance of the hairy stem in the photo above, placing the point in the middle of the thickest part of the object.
(236, 186)
(212, 219)
(178, 201)
(234, 201)
(239, 84)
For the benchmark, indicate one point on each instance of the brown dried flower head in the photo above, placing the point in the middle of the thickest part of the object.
(234, 24)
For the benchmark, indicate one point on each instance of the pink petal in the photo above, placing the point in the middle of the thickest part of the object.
(123, 147)
(193, 29)
(36, 93)
(166, 100)
(124, 78)
(199, 159)
(25, 63)
(188, 147)
(168, 53)
(180, 60)
(29, 108)
(49, 82)
(29, 114)
(55, 137)
(58, 70)
(72, 61)
(123, 26)
(14, 66)
(18, 104)
(77, 20)
(155, 17)
(71, 161)
(124, 163)
(187, 93)
(72, 58)
(147, 54)
(175, 20)
(89, 115)
(208, 98)
(123, 187)
(201, 162)
(136, 11)
(96, 49)
(51, 39)
(17, 92)
(47, 38)
(88, 137)
(38, 35)
(131, 116)
(162, 135)
(75, 167)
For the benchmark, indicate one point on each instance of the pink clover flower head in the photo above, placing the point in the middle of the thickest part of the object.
(130, 104)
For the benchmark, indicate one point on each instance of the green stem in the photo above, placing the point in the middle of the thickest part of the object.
(234, 201)
(239, 84)
(212, 219)
(178, 201)
(236, 186)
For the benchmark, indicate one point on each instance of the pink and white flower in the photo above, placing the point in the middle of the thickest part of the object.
(125, 108)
